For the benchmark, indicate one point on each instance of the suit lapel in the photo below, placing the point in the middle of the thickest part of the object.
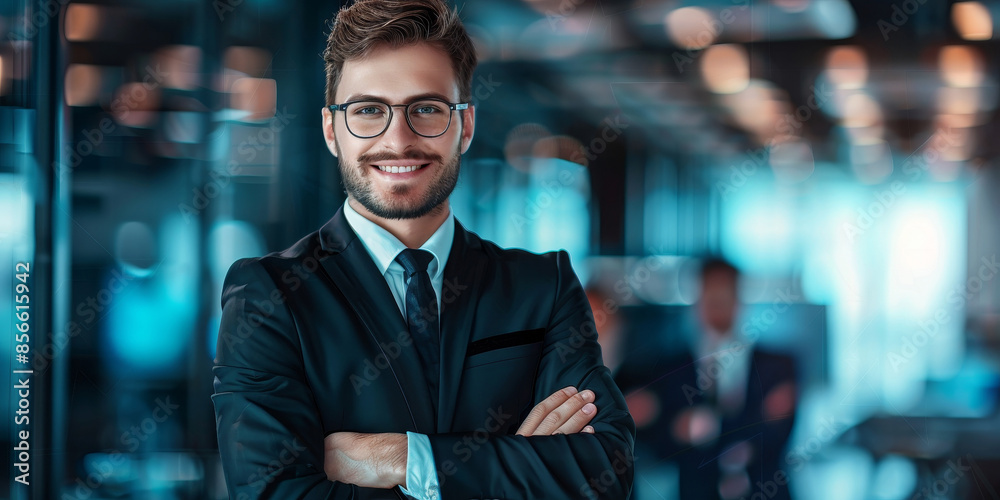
(463, 279)
(352, 271)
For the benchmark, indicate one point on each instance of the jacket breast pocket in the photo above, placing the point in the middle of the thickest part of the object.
(499, 379)
(524, 343)
(528, 354)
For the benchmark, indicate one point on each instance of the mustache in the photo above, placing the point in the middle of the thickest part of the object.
(387, 156)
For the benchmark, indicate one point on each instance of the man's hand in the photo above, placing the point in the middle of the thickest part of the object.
(369, 460)
(566, 411)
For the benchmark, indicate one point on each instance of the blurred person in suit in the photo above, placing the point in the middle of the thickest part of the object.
(726, 407)
(393, 353)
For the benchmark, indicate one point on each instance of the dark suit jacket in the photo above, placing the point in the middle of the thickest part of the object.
(312, 342)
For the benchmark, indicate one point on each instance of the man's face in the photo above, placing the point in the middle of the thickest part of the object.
(398, 76)
(719, 301)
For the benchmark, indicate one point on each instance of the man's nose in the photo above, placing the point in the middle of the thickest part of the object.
(399, 135)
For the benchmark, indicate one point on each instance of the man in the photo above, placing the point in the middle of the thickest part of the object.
(725, 406)
(392, 352)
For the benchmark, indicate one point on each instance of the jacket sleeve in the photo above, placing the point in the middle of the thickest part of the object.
(269, 431)
(574, 466)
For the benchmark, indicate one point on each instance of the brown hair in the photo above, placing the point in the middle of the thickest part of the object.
(368, 24)
(714, 264)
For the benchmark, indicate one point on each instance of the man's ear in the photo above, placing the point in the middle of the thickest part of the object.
(328, 133)
(468, 126)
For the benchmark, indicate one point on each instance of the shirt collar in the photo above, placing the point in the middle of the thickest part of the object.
(383, 247)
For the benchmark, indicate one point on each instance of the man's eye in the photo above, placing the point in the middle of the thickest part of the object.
(426, 110)
(368, 110)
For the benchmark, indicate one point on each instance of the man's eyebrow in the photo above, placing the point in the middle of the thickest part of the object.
(363, 97)
(429, 95)
(370, 97)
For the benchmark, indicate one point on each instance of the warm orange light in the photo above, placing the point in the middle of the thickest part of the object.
(241, 62)
(726, 68)
(258, 96)
(691, 27)
(961, 66)
(759, 109)
(861, 110)
(82, 84)
(178, 66)
(83, 22)
(847, 66)
(252, 61)
(972, 20)
(136, 104)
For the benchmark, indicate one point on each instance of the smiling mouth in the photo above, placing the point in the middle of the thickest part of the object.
(400, 169)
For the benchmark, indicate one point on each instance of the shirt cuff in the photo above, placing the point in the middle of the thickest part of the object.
(421, 476)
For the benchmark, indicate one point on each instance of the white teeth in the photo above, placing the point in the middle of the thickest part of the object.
(397, 170)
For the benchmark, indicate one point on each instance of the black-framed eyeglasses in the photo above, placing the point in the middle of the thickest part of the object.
(426, 117)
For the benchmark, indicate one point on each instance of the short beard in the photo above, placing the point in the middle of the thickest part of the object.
(433, 202)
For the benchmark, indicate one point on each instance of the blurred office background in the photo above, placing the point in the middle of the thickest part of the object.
(841, 153)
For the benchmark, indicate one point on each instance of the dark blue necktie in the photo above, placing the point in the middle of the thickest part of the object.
(422, 314)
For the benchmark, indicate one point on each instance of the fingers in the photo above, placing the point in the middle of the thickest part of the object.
(569, 417)
(573, 415)
(542, 410)
(566, 411)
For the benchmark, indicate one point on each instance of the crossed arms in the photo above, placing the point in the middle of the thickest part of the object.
(379, 460)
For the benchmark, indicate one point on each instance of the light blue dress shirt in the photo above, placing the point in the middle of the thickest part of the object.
(383, 247)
